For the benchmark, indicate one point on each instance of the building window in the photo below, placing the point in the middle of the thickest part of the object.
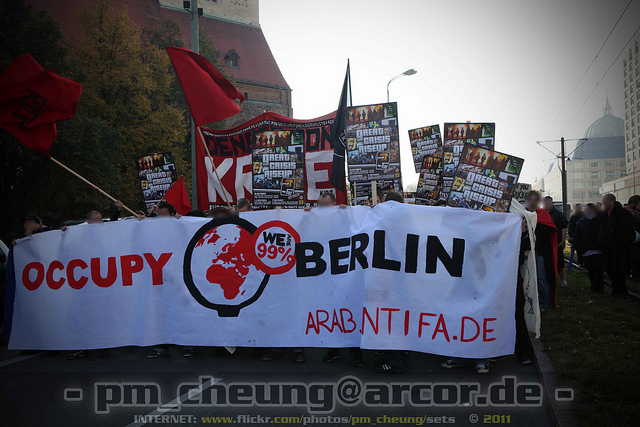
(623, 163)
(577, 175)
(609, 175)
(596, 184)
(609, 163)
(231, 58)
(594, 174)
(594, 164)
(578, 196)
(578, 184)
(577, 165)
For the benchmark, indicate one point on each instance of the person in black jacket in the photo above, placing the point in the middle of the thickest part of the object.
(617, 234)
(587, 240)
(578, 214)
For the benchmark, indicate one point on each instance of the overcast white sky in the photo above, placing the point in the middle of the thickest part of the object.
(512, 62)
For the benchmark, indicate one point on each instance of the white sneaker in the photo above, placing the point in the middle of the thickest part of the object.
(481, 368)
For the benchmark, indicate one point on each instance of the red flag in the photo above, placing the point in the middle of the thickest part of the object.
(32, 100)
(177, 197)
(209, 95)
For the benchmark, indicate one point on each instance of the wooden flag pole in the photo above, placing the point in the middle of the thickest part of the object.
(374, 193)
(224, 191)
(91, 184)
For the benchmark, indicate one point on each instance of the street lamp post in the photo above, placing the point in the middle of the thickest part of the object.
(564, 178)
(409, 72)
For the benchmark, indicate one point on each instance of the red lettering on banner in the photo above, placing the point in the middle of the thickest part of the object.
(323, 321)
(441, 327)
(32, 285)
(311, 325)
(157, 266)
(485, 330)
(389, 310)
(421, 323)
(338, 321)
(112, 273)
(335, 322)
(130, 264)
(56, 274)
(462, 338)
(73, 282)
(350, 319)
(55, 284)
(366, 313)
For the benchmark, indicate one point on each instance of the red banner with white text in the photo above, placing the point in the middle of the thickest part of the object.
(232, 153)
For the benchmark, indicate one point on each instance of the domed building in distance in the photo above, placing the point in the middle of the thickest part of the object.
(598, 158)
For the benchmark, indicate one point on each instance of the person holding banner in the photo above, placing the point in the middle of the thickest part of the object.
(243, 205)
(95, 217)
(390, 361)
(546, 252)
(166, 210)
(328, 199)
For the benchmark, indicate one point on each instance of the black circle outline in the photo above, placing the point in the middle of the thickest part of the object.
(224, 310)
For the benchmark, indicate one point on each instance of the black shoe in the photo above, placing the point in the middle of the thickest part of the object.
(104, 353)
(80, 354)
(219, 351)
(157, 354)
(357, 362)
(300, 357)
(387, 368)
(331, 356)
(270, 355)
(188, 352)
(378, 358)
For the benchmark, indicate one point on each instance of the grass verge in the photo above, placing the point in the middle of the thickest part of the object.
(594, 342)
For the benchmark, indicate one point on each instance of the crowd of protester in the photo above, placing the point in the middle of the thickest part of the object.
(604, 236)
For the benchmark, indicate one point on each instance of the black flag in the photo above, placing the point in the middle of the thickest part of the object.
(338, 139)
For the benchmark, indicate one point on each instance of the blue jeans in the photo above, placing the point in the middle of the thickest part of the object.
(544, 290)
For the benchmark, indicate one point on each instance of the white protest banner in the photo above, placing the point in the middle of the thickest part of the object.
(429, 279)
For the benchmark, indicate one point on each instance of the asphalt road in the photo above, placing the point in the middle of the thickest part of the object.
(33, 390)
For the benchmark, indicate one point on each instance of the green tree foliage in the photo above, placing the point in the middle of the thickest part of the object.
(129, 107)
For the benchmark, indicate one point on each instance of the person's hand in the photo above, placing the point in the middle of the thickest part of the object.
(154, 209)
(13, 242)
(65, 228)
(118, 204)
(342, 206)
(307, 208)
(178, 216)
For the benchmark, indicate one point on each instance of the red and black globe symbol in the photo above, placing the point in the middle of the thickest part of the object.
(229, 261)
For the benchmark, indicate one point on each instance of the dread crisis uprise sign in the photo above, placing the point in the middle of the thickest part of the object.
(425, 141)
(373, 142)
(455, 136)
(299, 159)
(396, 276)
(485, 180)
